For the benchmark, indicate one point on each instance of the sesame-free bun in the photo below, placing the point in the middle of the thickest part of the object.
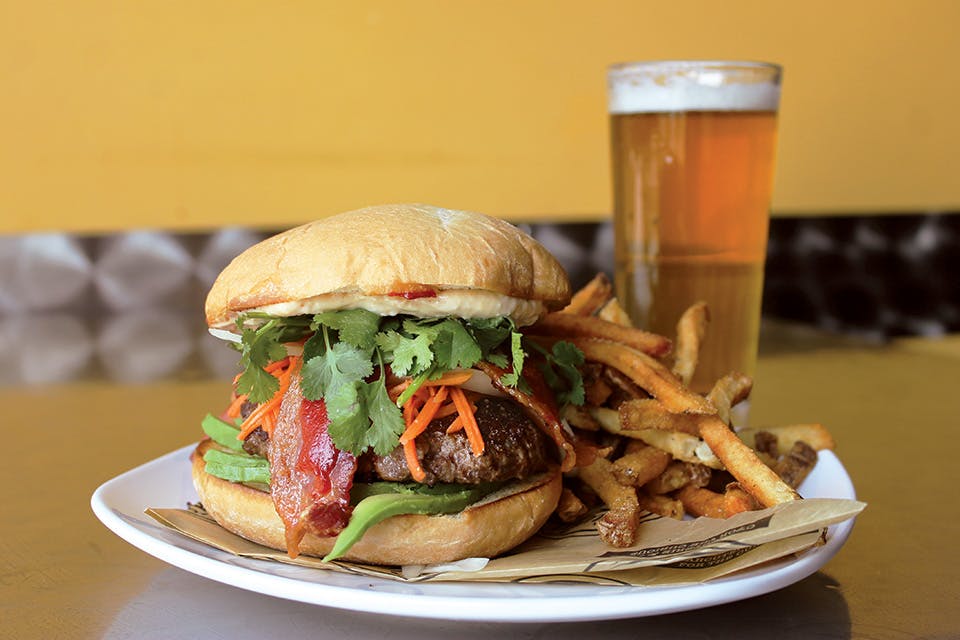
(356, 259)
(488, 529)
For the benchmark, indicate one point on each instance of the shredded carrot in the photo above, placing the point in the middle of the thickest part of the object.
(450, 378)
(265, 414)
(395, 391)
(279, 364)
(427, 413)
(469, 420)
(233, 411)
(455, 426)
(413, 462)
(446, 410)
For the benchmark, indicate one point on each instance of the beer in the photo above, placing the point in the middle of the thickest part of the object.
(693, 174)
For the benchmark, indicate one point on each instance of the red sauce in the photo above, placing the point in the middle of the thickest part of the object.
(413, 294)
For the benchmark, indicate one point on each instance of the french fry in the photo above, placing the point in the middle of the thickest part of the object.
(648, 413)
(624, 384)
(691, 328)
(591, 297)
(647, 373)
(617, 527)
(639, 467)
(758, 479)
(814, 434)
(570, 507)
(681, 446)
(614, 312)
(568, 325)
(728, 392)
(661, 505)
(736, 500)
(702, 502)
(794, 467)
(579, 417)
(677, 475)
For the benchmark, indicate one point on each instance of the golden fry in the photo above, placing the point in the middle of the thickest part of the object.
(591, 297)
(661, 505)
(570, 508)
(615, 313)
(618, 527)
(736, 500)
(728, 392)
(702, 502)
(579, 417)
(568, 325)
(691, 328)
(681, 446)
(647, 373)
(740, 460)
(648, 413)
(677, 475)
(637, 468)
(814, 434)
(794, 467)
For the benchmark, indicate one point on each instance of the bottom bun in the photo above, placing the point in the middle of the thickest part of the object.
(487, 529)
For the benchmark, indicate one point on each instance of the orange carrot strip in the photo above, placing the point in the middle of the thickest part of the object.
(446, 410)
(426, 414)
(271, 406)
(450, 378)
(279, 364)
(413, 462)
(469, 421)
(233, 411)
(455, 426)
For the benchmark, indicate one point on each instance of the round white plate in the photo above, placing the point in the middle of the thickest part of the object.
(165, 483)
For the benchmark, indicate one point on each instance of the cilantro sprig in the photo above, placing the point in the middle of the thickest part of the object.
(346, 352)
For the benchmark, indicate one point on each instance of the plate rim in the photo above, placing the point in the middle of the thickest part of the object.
(515, 606)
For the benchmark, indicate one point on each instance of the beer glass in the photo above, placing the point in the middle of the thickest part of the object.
(693, 155)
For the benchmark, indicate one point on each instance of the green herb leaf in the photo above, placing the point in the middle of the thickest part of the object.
(260, 347)
(357, 327)
(512, 379)
(386, 421)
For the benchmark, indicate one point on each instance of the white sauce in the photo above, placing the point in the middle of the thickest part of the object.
(462, 304)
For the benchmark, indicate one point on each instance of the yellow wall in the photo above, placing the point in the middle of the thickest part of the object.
(191, 114)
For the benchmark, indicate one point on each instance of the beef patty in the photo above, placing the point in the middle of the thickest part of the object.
(514, 448)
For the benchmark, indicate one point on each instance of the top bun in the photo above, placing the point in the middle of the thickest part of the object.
(478, 266)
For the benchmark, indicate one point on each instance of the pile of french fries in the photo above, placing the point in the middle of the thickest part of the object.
(648, 443)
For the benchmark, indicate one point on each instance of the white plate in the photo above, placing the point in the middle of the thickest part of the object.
(165, 483)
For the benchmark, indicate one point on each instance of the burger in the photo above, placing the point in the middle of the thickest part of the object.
(389, 409)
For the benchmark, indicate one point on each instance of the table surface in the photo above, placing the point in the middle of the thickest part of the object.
(893, 409)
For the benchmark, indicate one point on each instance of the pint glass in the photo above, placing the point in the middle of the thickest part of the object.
(693, 154)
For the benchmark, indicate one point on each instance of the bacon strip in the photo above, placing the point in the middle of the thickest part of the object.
(310, 479)
(539, 410)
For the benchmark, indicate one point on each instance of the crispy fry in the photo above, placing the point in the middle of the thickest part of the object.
(728, 392)
(591, 297)
(570, 508)
(579, 417)
(639, 467)
(615, 313)
(814, 434)
(569, 325)
(691, 329)
(647, 373)
(796, 464)
(648, 413)
(624, 384)
(736, 499)
(661, 505)
(618, 527)
(677, 475)
(740, 460)
(702, 502)
(682, 446)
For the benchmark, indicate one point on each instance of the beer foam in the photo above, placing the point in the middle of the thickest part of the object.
(691, 86)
